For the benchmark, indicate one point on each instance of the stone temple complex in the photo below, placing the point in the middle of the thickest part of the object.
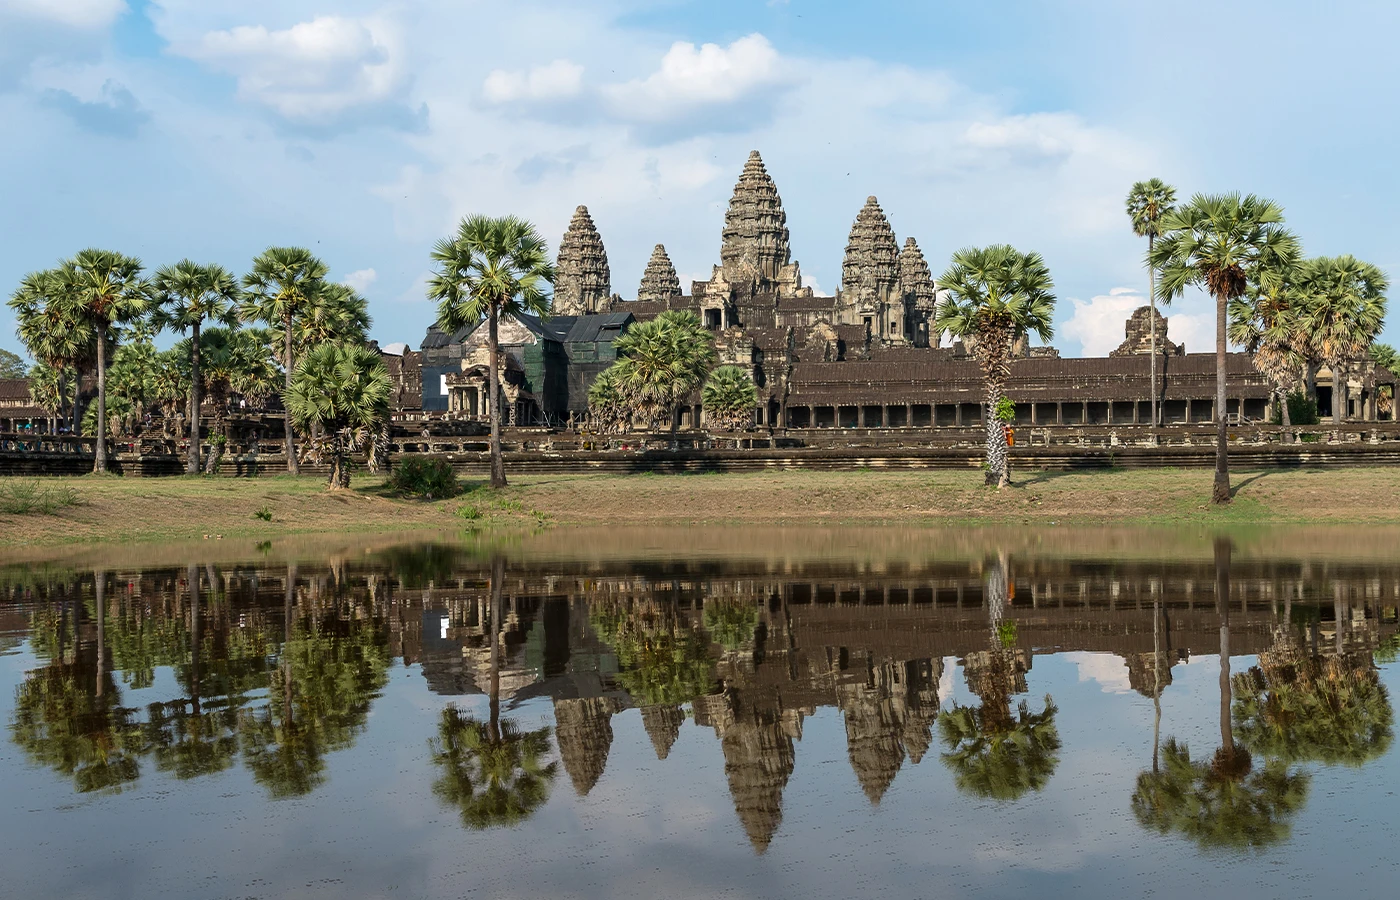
(867, 357)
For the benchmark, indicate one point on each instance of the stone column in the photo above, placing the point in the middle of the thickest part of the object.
(1084, 414)
(860, 415)
(909, 414)
(1059, 414)
(957, 414)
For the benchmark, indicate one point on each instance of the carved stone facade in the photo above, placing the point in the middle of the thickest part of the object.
(920, 294)
(583, 282)
(659, 281)
(754, 244)
(870, 293)
(1138, 336)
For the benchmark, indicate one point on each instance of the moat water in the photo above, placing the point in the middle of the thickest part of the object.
(765, 714)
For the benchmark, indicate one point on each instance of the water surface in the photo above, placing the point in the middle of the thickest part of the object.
(782, 713)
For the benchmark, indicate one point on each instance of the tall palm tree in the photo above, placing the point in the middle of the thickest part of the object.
(1148, 201)
(278, 291)
(729, 397)
(1219, 242)
(490, 268)
(996, 296)
(1343, 308)
(105, 289)
(188, 295)
(1268, 323)
(344, 390)
(55, 336)
(235, 361)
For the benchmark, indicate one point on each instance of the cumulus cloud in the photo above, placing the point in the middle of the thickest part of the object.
(1098, 325)
(314, 72)
(558, 80)
(116, 110)
(69, 13)
(360, 280)
(707, 85)
(1110, 672)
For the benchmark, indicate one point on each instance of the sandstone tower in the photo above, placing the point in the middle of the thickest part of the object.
(582, 282)
(920, 295)
(754, 244)
(870, 291)
(659, 281)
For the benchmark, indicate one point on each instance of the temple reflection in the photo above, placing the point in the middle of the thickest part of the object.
(275, 667)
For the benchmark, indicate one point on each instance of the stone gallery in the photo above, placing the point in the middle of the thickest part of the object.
(866, 357)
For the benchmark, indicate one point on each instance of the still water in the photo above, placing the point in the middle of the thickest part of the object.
(706, 714)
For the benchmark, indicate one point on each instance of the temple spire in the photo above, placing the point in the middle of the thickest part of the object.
(659, 281)
(755, 238)
(870, 272)
(582, 282)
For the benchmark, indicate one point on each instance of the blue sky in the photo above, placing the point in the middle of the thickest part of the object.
(364, 129)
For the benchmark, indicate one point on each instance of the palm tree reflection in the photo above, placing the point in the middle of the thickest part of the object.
(992, 751)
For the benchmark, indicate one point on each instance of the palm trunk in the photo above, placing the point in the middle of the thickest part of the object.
(100, 463)
(498, 574)
(192, 458)
(1152, 328)
(1220, 492)
(292, 465)
(1339, 392)
(99, 585)
(289, 720)
(192, 576)
(498, 465)
(1156, 679)
(1310, 381)
(1222, 602)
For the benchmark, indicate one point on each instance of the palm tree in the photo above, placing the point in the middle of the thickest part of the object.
(1268, 323)
(607, 404)
(235, 362)
(1148, 201)
(1343, 308)
(1219, 243)
(729, 397)
(188, 295)
(54, 333)
(996, 296)
(105, 289)
(344, 391)
(490, 268)
(662, 362)
(278, 291)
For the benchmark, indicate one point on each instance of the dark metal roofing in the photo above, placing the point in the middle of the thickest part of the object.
(600, 326)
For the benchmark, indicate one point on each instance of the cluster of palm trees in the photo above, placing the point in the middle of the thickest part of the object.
(660, 364)
(1291, 313)
(97, 313)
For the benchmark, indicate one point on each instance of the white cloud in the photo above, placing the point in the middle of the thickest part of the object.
(1194, 331)
(708, 75)
(70, 13)
(558, 80)
(313, 71)
(1107, 669)
(1099, 324)
(360, 280)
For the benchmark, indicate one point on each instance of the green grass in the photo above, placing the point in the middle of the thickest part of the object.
(27, 498)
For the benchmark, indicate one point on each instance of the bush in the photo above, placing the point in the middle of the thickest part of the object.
(1301, 410)
(265, 513)
(22, 498)
(427, 478)
(468, 512)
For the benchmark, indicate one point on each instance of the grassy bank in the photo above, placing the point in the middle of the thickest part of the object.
(180, 509)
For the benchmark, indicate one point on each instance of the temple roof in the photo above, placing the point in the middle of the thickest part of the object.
(871, 253)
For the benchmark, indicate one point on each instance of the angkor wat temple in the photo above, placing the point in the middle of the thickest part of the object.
(866, 357)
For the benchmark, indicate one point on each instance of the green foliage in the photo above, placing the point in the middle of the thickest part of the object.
(996, 294)
(499, 264)
(342, 390)
(430, 479)
(1313, 710)
(468, 512)
(998, 756)
(1148, 202)
(661, 362)
(1385, 357)
(1302, 410)
(1344, 305)
(1225, 803)
(24, 498)
(494, 773)
(729, 397)
(607, 403)
(661, 663)
(264, 514)
(731, 623)
(1005, 410)
(1220, 243)
(189, 295)
(1007, 634)
(11, 366)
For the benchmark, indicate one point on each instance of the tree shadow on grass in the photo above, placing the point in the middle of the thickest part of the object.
(1241, 485)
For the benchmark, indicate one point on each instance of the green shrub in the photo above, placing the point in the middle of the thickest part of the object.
(265, 514)
(23, 498)
(431, 479)
(1301, 410)
(469, 512)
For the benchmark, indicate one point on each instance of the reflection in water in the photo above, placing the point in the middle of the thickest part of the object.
(194, 670)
